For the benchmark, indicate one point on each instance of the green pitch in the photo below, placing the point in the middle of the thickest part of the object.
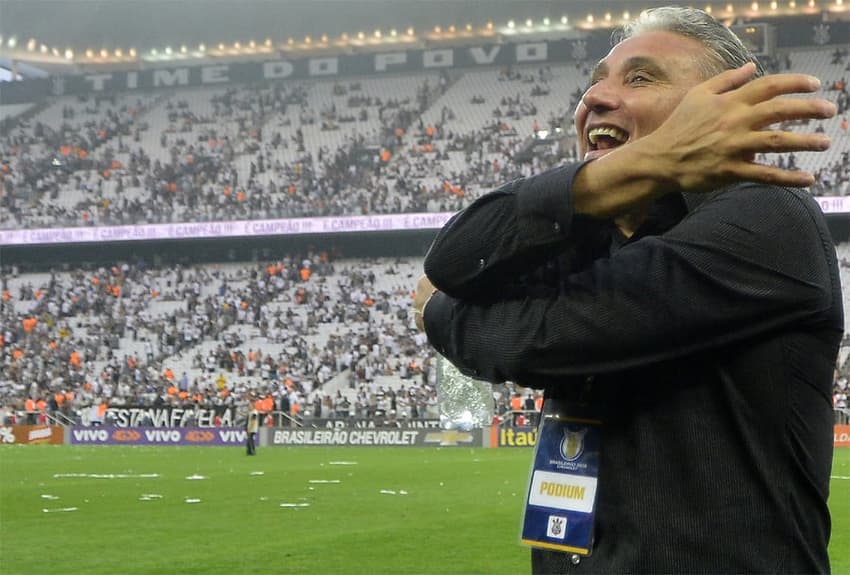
(210, 511)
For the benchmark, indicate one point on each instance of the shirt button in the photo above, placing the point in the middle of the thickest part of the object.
(589, 379)
(575, 559)
(481, 263)
(557, 228)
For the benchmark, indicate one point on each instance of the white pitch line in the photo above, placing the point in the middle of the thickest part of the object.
(107, 475)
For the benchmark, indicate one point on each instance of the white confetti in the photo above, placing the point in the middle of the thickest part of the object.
(193, 500)
(839, 477)
(50, 497)
(387, 492)
(257, 473)
(324, 481)
(342, 463)
(290, 505)
(196, 477)
(60, 510)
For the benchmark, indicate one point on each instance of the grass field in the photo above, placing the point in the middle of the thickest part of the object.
(148, 510)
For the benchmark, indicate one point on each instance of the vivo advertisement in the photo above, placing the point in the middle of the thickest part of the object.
(218, 436)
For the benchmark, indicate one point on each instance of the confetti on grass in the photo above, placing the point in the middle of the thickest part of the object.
(60, 510)
(50, 497)
(324, 481)
(196, 477)
(391, 492)
(190, 500)
(256, 473)
(149, 496)
(342, 463)
(293, 505)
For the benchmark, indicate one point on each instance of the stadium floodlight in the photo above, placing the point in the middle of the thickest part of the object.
(31, 44)
(546, 21)
(308, 40)
(730, 8)
(437, 29)
(812, 3)
(564, 20)
(13, 41)
(69, 54)
(792, 4)
(529, 23)
(119, 53)
(708, 8)
(607, 16)
(469, 27)
(252, 45)
(393, 33)
(132, 52)
(324, 38)
(452, 29)
(490, 25)
(590, 18)
(511, 24)
(43, 48)
(377, 33)
(754, 6)
(183, 49)
(627, 15)
(268, 43)
(361, 35)
(202, 48)
(411, 31)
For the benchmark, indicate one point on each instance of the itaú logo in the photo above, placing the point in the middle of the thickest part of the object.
(126, 435)
(196, 436)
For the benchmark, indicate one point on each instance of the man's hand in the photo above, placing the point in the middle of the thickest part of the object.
(424, 290)
(712, 137)
(710, 140)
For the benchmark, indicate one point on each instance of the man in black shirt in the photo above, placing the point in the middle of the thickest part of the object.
(679, 302)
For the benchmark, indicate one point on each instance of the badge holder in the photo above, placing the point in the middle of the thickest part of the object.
(561, 501)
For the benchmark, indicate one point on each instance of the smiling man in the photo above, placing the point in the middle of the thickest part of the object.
(679, 302)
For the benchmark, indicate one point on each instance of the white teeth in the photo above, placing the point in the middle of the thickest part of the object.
(610, 131)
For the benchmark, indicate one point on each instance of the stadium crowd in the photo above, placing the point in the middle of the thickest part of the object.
(306, 335)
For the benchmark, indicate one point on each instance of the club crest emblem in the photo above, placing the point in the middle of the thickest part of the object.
(556, 527)
(572, 444)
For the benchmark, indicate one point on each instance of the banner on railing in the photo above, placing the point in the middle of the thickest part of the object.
(381, 437)
(132, 416)
(841, 436)
(29, 434)
(157, 436)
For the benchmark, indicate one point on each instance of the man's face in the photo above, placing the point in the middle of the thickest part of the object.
(635, 88)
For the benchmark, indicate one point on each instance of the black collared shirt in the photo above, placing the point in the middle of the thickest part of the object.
(710, 337)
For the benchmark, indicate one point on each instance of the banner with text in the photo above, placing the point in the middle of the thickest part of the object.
(394, 437)
(29, 434)
(132, 416)
(841, 436)
(218, 436)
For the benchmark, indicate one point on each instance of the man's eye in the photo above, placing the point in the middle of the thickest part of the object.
(638, 78)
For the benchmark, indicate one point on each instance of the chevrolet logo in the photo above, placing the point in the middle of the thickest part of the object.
(448, 437)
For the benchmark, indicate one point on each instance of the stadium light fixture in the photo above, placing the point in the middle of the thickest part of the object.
(132, 52)
(202, 48)
(13, 41)
(184, 49)
(43, 48)
(812, 3)
(590, 18)
(411, 31)
(377, 34)
(308, 40)
(154, 52)
(104, 53)
(69, 54)
(31, 45)
(437, 29)
(627, 15)
(119, 53)
(89, 52)
(511, 24)
(361, 35)
(393, 32)
(730, 8)
(564, 20)
(774, 5)
(268, 43)
(529, 23)
(489, 25)
(324, 38)
(607, 16)
(546, 21)
(55, 52)
(290, 41)
(754, 6)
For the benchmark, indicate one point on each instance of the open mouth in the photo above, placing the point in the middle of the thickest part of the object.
(606, 138)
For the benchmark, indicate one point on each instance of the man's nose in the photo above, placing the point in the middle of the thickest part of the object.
(601, 97)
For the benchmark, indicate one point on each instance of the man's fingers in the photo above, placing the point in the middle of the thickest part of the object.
(730, 79)
(777, 141)
(789, 109)
(772, 175)
(773, 85)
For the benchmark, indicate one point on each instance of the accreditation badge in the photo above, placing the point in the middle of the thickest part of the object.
(561, 500)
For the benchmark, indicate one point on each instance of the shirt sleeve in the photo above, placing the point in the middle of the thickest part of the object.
(503, 234)
(747, 261)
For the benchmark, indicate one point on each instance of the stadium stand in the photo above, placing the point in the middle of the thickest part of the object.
(328, 334)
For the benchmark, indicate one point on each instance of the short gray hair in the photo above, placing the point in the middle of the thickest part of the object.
(724, 49)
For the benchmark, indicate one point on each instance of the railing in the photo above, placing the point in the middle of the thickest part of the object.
(59, 418)
(842, 416)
